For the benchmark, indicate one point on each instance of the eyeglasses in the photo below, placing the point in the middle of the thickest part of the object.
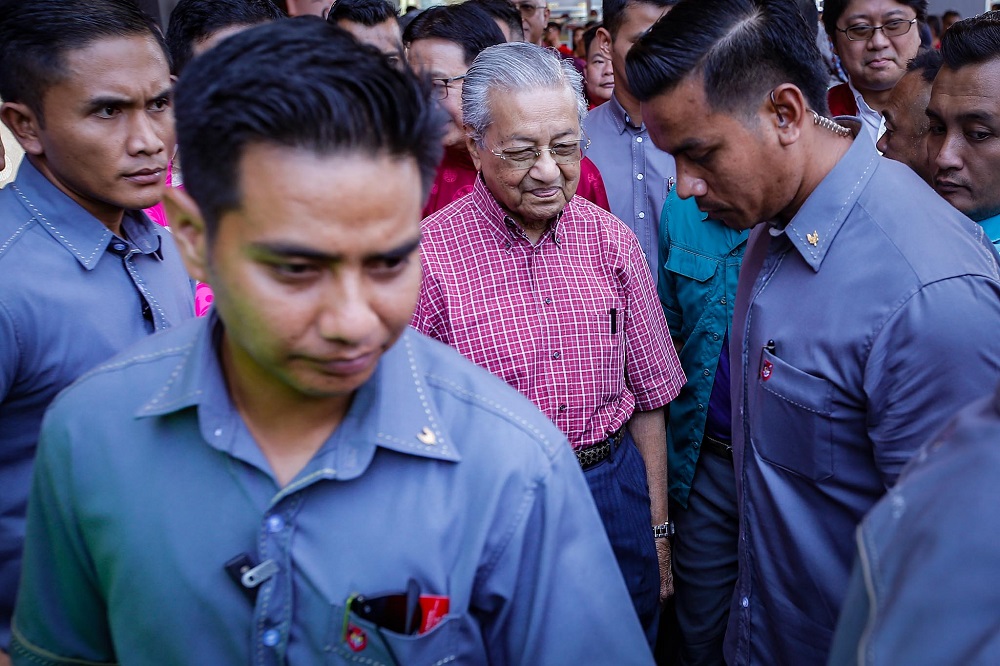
(527, 9)
(442, 86)
(568, 152)
(862, 33)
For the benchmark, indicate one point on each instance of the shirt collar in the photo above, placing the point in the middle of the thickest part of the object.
(500, 222)
(391, 410)
(815, 225)
(620, 118)
(991, 226)
(71, 226)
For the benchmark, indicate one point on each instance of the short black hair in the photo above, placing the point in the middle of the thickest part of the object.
(742, 48)
(928, 62)
(951, 13)
(504, 11)
(614, 11)
(834, 9)
(364, 12)
(302, 84)
(972, 41)
(191, 21)
(553, 24)
(466, 25)
(588, 37)
(36, 35)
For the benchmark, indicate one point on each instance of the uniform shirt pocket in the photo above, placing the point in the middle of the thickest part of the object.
(791, 422)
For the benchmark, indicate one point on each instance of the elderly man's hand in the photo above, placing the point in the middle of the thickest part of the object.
(666, 572)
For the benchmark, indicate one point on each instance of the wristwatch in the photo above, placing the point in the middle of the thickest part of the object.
(664, 531)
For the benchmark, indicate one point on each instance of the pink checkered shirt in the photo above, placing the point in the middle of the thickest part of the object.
(539, 317)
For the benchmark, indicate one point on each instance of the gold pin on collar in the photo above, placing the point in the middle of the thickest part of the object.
(427, 436)
(813, 238)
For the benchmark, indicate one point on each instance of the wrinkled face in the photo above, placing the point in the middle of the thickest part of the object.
(108, 129)
(719, 156)
(876, 64)
(314, 283)
(964, 138)
(905, 138)
(530, 118)
(637, 19)
(385, 36)
(441, 59)
(598, 75)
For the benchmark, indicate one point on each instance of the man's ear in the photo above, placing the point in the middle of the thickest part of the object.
(785, 109)
(603, 39)
(188, 227)
(470, 143)
(24, 125)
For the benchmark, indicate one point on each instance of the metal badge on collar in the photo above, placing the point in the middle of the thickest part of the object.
(427, 436)
(813, 238)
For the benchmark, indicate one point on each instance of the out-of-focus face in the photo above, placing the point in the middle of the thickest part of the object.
(877, 63)
(214, 39)
(964, 138)
(108, 129)
(385, 36)
(552, 37)
(578, 42)
(442, 60)
(949, 20)
(308, 7)
(312, 283)
(534, 18)
(598, 75)
(906, 124)
(637, 19)
(535, 194)
(719, 156)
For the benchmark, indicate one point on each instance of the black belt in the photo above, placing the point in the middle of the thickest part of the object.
(599, 452)
(717, 447)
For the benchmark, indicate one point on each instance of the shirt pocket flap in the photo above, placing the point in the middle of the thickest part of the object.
(690, 264)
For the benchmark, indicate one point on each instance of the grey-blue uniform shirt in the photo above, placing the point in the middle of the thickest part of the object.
(637, 174)
(926, 582)
(439, 473)
(858, 330)
(72, 295)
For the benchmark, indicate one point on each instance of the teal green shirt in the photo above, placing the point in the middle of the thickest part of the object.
(991, 226)
(698, 268)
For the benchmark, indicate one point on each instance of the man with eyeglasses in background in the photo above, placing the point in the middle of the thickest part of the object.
(534, 19)
(552, 294)
(441, 43)
(874, 39)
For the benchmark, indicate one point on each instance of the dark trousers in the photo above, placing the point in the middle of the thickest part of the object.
(705, 559)
(618, 485)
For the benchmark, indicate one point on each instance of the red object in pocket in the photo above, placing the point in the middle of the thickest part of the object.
(434, 609)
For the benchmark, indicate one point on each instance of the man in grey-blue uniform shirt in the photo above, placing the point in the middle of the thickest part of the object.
(83, 271)
(299, 477)
(859, 285)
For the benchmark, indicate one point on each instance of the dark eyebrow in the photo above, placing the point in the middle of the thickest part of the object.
(102, 101)
(688, 145)
(292, 250)
(978, 116)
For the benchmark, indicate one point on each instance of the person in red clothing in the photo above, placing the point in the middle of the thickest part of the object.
(874, 40)
(442, 43)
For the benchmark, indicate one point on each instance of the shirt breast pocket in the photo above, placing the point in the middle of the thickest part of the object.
(791, 420)
(356, 640)
(688, 264)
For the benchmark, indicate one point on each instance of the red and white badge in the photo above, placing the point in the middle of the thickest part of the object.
(357, 639)
(765, 371)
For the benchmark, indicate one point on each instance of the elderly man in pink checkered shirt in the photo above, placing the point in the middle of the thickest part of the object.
(553, 295)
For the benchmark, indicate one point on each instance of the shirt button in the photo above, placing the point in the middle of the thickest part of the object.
(638, 139)
(745, 602)
(218, 432)
(642, 216)
(639, 176)
(562, 407)
(723, 300)
(275, 524)
(119, 247)
(548, 300)
(715, 336)
(271, 637)
(707, 373)
(556, 355)
(701, 407)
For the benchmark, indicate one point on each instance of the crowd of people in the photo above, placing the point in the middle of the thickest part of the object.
(329, 335)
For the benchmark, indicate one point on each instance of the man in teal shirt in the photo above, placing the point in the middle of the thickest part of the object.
(699, 264)
(964, 112)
